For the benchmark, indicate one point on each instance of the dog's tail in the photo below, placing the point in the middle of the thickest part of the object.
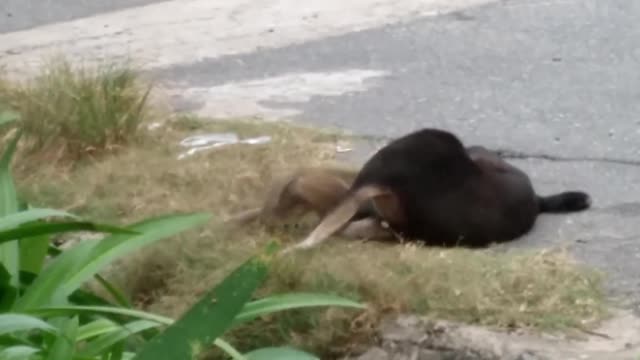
(568, 201)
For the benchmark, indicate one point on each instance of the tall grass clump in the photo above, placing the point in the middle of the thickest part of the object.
(71, 111)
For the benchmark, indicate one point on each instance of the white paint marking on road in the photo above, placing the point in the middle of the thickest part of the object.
(187, 31)
(245, 99)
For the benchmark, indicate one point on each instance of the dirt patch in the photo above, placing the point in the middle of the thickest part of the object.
(411, 337)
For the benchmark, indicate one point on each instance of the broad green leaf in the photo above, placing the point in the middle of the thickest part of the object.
(279, 353)
(30, 230)
(161, 320)
(8, 197)
(44, 291)
(82, 297)
(34, 239)
(228, 349)
(106, 341)
(15, 219)
(8, 292)
(69, 270)
(65, 345)
(8, 116)
(127, 355)
(10, 323)
(283, 302)
(33, 252)
(18, 352)
(53, 251)
(117, 245)
(118, 295)
(73, 310)
(209, 318)
(96, 328)
(40, 228)
(10, 251)
(115, 353)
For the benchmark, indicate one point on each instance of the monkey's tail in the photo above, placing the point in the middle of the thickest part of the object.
(568, 201)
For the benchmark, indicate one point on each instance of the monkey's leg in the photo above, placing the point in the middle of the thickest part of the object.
(388, 210)
(321, 191)
(338, 217)
(367, 228)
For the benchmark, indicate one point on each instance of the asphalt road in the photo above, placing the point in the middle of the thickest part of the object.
(18, 15)
(554, 82)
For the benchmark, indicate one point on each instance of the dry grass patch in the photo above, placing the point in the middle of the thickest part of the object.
(71, 112)
(533, 289)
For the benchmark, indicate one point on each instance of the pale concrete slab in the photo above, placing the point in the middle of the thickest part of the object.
(26, 14)
(188, 31)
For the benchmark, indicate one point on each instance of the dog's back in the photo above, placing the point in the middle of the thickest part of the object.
(449, 197)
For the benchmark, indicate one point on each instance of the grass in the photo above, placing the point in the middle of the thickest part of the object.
(543, 290)
(75, 112)
(78, 114)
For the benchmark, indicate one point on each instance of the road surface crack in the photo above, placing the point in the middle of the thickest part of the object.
(506, 153)
(512, 154)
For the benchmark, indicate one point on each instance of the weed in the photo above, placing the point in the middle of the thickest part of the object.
(71, 111)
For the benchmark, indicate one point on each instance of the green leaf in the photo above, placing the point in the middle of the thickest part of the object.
(209, 318)
(34, 239)
(69, 270)
(8, 293)
(115, 353)
(280, 353)
(10, 323)
(65, 345)
(40, 228)
(127, 356)
(283, 302)
(8, 197)
(72, 310)
(118, 295)
(44, 291)
(227, 348)
(104, 342)
(96, 328)
(117, 245)
(9, 252)
(82, 297)
(8, 116)
(15, 219)
(18, 352)
(33, 252)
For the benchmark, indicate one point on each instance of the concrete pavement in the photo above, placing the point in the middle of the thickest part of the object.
(26, 14)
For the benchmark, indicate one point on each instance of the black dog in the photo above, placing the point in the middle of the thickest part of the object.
(427, 186)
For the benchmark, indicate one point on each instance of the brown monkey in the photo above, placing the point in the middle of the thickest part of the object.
(317, 189)
(428, 187)
(311, 189)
